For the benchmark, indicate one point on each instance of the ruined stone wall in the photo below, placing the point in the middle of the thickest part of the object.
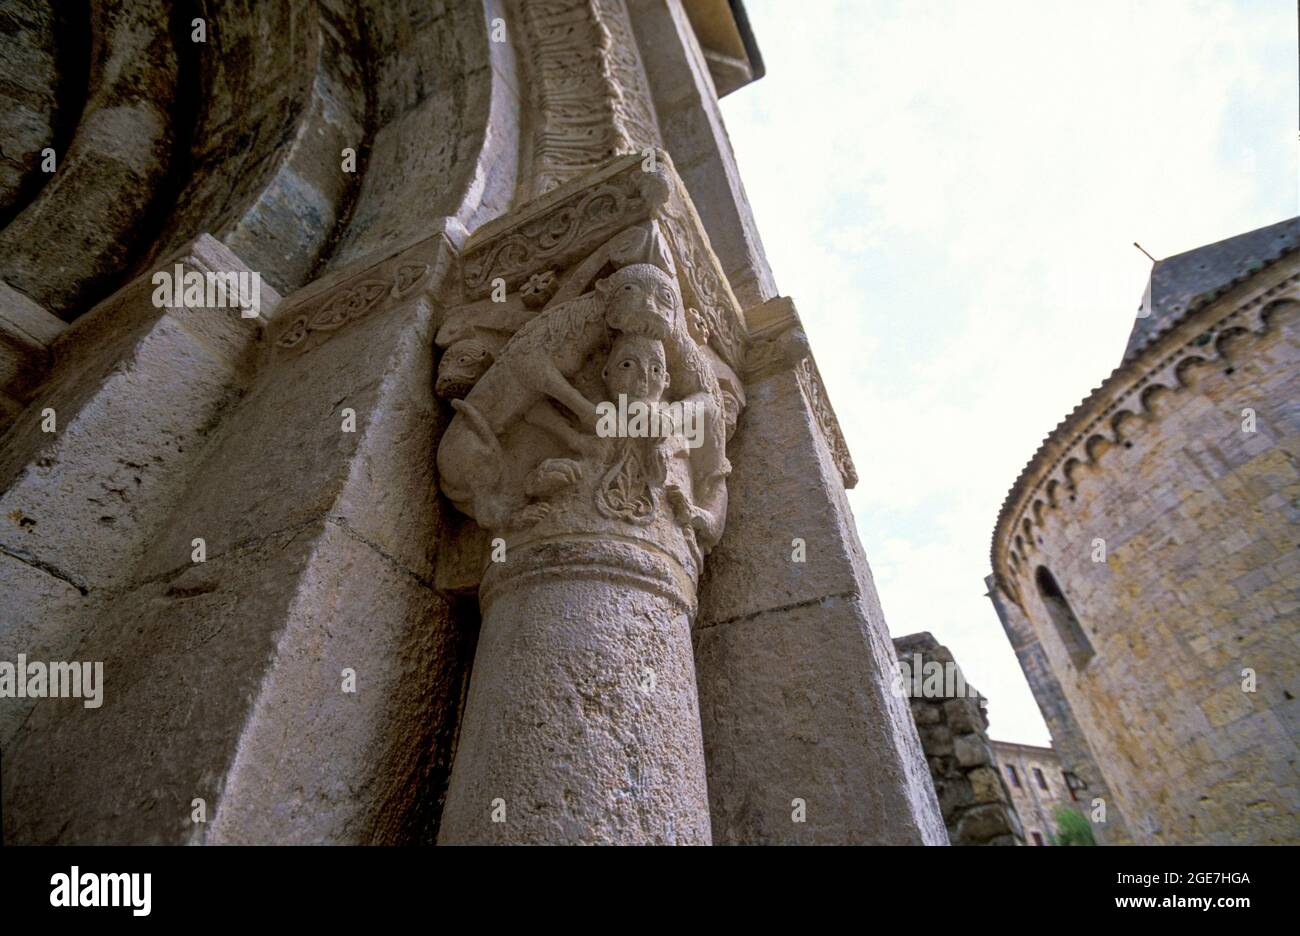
(1167, 522)
(977, 807)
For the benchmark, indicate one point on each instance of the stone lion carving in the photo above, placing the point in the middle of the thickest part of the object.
(461, 367)
(537, 365)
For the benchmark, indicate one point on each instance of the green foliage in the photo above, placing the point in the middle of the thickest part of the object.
(1072, 828)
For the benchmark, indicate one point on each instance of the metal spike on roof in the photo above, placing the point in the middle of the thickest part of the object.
(1177, 283)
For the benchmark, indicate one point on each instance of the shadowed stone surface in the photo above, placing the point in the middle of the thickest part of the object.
(279, 534)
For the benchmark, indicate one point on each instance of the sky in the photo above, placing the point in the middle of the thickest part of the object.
(950, 193)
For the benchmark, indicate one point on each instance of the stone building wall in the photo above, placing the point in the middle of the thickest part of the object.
(953, 725)
(300, 540)
(1151, 548)
(1039, 786)
(1070, 744)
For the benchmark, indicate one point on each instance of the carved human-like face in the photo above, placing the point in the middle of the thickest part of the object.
(640, 299)
(730, 413)
(460, 368)
(637, 367)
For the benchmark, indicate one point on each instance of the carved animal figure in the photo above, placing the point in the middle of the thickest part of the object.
(461, 366)
(537, 364)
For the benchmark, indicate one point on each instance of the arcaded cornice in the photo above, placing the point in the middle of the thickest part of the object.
(1242, 306)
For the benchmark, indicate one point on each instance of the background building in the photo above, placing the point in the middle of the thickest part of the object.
(1038, 786)
(1146, 564)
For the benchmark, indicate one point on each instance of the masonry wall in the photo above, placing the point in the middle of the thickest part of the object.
(325, 544)
(1069, 742)
(953, 727)
(1039, 787)
(1189, 697)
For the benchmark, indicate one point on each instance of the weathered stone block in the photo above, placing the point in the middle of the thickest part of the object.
(972, 750)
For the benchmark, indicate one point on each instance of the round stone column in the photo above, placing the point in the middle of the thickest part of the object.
(582, 724)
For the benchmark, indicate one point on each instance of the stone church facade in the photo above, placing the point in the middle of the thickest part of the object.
(356, 558)
(1146, 564)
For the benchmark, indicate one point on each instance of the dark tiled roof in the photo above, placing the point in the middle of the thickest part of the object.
(1177, 282)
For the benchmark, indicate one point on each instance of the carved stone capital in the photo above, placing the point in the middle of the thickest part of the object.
(605, 274)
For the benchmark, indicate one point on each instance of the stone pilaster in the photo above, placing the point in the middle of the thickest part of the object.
(690, 122)
(303, 678)
(104, 450)
(805, 741)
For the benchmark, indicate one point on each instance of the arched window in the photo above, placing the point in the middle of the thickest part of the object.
(1067, 625)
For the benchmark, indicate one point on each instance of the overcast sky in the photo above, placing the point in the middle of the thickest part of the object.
(950, 192)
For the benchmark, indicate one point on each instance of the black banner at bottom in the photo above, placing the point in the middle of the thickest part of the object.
(332, 885)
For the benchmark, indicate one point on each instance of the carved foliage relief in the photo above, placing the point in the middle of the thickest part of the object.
(352, 301)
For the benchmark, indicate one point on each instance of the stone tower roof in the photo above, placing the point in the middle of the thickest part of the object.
(1178, 282)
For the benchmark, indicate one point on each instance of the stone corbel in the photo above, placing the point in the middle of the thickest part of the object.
(777, 339)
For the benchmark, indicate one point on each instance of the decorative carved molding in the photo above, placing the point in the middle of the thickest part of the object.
(354, 300)
(567, 226)
(580, 217)
(704, 284)
(590, 94)
(810, 379)
(344, 306)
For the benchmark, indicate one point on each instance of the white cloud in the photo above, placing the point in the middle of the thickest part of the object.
(950, 192)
